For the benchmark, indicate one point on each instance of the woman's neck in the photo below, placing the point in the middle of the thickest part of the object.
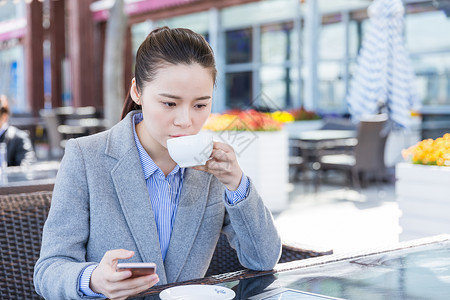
(158, 153)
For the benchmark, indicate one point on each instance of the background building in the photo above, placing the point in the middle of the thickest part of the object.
(284, 52)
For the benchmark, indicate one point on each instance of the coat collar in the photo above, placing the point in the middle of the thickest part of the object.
(187, 222)
(131, 188)
(120, 138)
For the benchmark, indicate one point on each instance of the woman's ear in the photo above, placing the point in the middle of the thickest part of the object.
(134, 92)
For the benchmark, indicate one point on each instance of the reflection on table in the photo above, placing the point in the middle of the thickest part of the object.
(36, 177)
(411, 270)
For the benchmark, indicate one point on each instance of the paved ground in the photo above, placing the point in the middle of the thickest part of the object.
(340, 218)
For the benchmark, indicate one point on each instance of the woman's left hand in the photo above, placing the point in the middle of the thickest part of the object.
(224, 165)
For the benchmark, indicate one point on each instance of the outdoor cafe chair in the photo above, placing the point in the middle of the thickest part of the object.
(22, 217)
(367, 156)
(302, 154)
(338, 124)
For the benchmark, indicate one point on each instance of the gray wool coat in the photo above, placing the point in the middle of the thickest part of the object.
(100, 202)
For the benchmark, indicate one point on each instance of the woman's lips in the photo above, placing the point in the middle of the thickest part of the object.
(177, 135)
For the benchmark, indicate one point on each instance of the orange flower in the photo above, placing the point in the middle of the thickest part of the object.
(250, 120)
(430, 152)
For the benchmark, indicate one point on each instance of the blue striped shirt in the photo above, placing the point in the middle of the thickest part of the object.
(164, 195)
(164, 192)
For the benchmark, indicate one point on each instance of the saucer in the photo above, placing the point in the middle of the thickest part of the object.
(197, 292)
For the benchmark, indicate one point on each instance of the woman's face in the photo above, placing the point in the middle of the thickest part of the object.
(176, 102)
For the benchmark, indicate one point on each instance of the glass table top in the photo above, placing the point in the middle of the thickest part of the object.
(421, 272)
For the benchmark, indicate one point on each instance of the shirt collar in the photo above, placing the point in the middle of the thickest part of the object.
(148, 165)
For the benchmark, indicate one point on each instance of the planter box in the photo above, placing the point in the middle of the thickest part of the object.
(423, 196)
(263, 156)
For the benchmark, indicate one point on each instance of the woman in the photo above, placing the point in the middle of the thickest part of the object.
(119, 195)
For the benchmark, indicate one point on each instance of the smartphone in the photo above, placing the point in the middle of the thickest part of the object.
(137, 269)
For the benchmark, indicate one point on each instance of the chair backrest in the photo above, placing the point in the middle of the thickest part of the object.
(338, 124)
(26, 188)
(22, 217)
(372, 135)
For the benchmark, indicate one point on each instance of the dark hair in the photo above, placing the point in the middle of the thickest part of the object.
(4, 107)
(165, 46)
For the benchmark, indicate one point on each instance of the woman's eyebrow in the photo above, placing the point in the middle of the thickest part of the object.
(203, 98)
(179, 98)
(169, 96)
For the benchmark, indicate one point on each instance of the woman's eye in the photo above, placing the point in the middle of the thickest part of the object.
(200, 105)
(170, 104)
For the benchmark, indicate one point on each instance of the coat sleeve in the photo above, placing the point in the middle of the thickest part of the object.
(250, 229)
(66, 231)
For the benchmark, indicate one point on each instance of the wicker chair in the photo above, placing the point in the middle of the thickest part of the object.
(225, 258)
(22, 218)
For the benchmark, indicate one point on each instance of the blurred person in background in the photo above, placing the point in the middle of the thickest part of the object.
(19, 149)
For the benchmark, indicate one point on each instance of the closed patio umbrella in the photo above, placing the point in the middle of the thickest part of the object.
(384, 78)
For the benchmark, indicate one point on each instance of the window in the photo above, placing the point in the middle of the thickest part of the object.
(239, 46)
(331, 86)
(239, 89)
(12, 77)
(331, 71)
(432, 78)
(427, 32)
(429, 45)
(10, 10)
(276, 43)
(279, 70)
(332, 41)
(279, 84)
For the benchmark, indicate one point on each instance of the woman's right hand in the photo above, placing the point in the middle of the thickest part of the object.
(118, 285)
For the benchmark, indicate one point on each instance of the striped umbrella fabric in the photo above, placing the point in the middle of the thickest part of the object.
(384, 75)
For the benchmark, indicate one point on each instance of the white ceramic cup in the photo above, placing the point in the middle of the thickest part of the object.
(190, 150)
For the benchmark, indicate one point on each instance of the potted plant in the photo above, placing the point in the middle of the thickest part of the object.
(423, 188)
(261, 147)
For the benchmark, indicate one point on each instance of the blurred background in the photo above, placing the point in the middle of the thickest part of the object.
(297, 53)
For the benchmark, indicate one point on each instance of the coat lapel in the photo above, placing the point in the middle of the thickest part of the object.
(191, 207)
(132, 192)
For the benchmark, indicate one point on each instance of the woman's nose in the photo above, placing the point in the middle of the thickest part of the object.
(183, 118)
